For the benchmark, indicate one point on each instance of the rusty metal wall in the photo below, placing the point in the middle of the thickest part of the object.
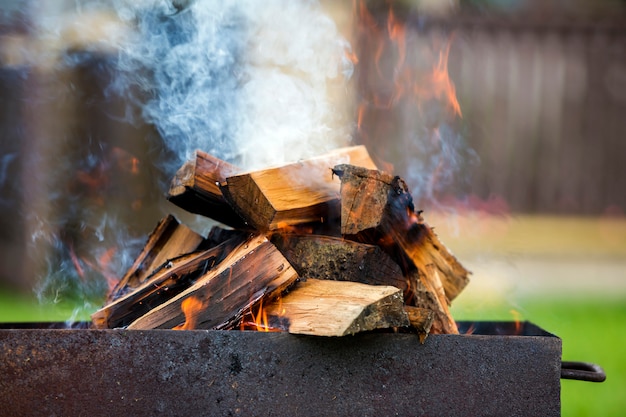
(226, 373)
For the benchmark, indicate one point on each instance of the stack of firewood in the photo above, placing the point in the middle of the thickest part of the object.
(325, 246)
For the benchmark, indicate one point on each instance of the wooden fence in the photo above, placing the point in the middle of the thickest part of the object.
(543, 103)
(545, 109)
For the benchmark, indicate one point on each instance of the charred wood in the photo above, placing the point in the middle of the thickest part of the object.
(169, 280)
(168, 240)
(378, 208)
(253, 270)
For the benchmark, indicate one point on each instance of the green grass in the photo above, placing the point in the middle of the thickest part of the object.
(17, 307)
(591, 330)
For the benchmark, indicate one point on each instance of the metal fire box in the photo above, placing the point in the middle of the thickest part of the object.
(502, 369)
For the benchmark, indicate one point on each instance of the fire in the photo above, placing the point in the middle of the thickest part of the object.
(397, 34)
(471, 329)
(299, 229)
(125, 161)
(103, 265)
(258, 319)
(76, 262)
(425, 77)
(437, 84)
(404, 81)
(517, 318)
(191, 307)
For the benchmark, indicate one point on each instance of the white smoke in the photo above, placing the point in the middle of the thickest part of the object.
(254, 83)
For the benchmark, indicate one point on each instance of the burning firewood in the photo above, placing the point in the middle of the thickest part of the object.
(366, 258)
(427, 293)
(333, 258)
(168, 240)
(333, 308)
(377, 207)
(253, 270)
(167, 281)
(195, 188)
(292, 194)
(377, 203)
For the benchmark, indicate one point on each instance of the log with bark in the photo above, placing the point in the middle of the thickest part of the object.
(336, 308)
(348, 231)
(333, 258)
(377, 207)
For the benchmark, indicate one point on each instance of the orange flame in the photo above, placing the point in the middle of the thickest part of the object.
(397, 34)
(191, 307)
(401, 72)
(360, 114)
(352, 57)
(76, 262)
(104, 261)
(407, 76)
(102, 265)
(437, 84)
(259, 320)
(94, 179)
(125, 161)
(517, 317)
(298, 229)
(471, 329)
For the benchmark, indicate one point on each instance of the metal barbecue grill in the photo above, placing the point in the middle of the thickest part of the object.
(501, 369)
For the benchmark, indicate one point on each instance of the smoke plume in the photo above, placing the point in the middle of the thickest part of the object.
(254, 83)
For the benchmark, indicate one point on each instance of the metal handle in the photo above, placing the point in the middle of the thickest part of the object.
(582, 371)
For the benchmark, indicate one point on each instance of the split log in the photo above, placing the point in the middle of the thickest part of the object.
(428, 293)
(253, 270)
(168, 240)
(169, 280)
(376, 205)
(331, 258)
(195, 188)
(378, 208)
(334, 308)
(293, 194)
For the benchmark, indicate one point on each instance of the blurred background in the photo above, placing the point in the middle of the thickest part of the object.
(516, 150)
